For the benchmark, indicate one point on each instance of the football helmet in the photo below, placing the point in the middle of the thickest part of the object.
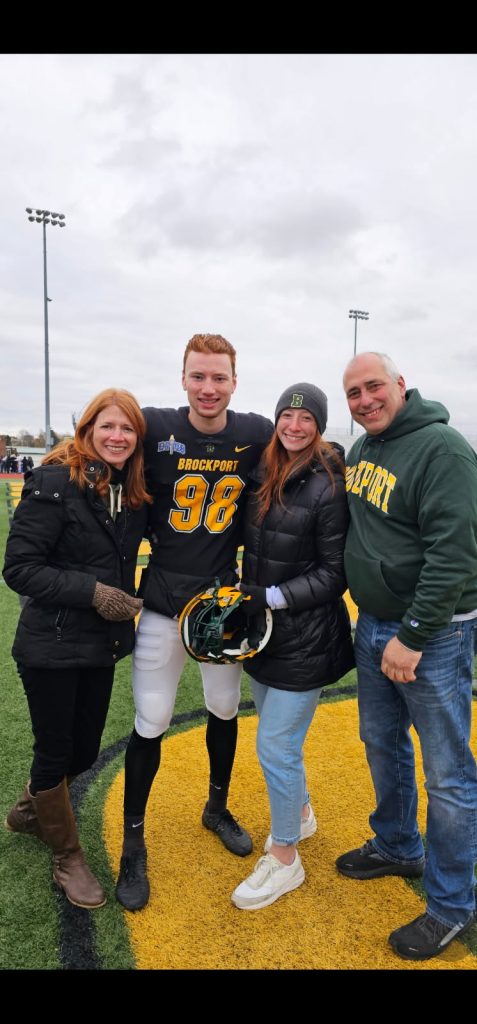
(214, 626)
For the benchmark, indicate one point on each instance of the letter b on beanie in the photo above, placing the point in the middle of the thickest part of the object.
(305, 396)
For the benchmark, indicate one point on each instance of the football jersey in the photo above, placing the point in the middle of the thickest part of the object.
(198, 483)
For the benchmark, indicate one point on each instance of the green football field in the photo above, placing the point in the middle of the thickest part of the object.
(42, 931)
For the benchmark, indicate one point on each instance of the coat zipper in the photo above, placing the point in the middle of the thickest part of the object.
(60, 621)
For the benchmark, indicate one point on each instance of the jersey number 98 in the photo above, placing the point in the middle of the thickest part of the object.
(193, 509)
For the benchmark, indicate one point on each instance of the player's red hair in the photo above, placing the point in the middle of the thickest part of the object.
(210, 343)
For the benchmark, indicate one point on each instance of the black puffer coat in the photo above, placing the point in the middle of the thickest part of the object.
(299, 547)
(61, 543)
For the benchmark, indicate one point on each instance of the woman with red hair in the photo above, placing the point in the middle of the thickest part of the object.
(71, 554)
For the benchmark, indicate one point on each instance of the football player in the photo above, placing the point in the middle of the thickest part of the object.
(197, 462)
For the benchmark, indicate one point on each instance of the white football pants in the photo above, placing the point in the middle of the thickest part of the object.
(158, 659)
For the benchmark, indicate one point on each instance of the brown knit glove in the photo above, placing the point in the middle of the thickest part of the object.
(115, 605)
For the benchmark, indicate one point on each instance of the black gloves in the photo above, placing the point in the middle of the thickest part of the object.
(258, 598)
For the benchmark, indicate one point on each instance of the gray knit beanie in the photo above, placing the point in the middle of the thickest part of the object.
(305, 396)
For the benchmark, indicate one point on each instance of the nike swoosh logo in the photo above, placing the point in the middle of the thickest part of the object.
(242, 449)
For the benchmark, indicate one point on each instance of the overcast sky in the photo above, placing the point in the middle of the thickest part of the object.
(256, 196)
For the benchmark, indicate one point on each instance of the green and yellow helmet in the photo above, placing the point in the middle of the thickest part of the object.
(215, 627)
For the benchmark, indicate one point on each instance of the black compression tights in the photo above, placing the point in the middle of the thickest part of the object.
(142, 761)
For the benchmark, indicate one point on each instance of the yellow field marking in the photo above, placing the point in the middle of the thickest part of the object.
(15, 491)
(329, 922)
(351, 606)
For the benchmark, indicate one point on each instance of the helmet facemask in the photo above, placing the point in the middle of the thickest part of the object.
(214, 626)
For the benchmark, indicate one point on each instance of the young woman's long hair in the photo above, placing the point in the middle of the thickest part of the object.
(79, 452)
(278, 468)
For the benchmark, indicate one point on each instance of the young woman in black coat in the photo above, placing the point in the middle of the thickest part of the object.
(72, 554)
(295, 529)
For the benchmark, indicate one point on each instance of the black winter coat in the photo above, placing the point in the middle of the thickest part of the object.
(61, 543)
(299, 547)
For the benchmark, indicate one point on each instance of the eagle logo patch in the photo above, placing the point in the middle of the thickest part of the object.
(171, 446)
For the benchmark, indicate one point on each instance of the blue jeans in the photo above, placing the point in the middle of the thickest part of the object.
(438, 705)
(284, 719)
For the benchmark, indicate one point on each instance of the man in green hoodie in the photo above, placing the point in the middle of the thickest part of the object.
(411, 564)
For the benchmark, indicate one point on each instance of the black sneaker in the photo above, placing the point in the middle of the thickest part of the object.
(234, 838)
(425, 937)
(366, 862)
(132, 887)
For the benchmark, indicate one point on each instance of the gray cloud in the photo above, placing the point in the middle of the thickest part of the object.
(302, 225)
(140, 154)
(260, 196)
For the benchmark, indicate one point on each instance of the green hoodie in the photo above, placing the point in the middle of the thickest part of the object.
(411, 550)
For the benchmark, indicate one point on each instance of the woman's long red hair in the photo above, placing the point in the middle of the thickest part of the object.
(278, 468)
(80, 451)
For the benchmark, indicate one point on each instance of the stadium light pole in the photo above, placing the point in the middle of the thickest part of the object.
(356, 314)
(44, 217)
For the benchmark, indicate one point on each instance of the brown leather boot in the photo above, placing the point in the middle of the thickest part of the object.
(22, 817)
(58, 828)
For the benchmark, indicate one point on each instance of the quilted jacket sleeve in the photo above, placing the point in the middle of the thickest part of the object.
(37, 526)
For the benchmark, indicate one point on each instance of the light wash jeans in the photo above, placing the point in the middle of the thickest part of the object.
(284, 719)
(438, 704)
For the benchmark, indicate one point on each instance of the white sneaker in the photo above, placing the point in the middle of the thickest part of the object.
(308, 828)
(269, 880)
